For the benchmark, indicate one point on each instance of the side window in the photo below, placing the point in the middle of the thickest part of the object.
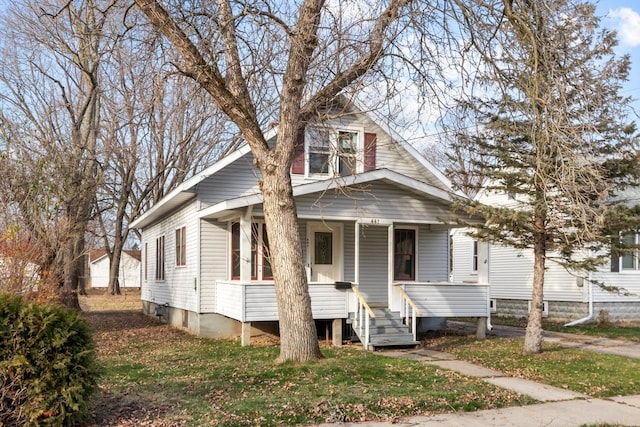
(630, 260)
(181, 246)
(146, 260)
(474, 258)
(160, 258)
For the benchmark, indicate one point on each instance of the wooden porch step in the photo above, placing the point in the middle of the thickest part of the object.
(387, 329)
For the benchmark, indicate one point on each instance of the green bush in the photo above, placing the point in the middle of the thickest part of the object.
(48, 366)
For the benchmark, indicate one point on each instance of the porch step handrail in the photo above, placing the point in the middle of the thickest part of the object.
(415, 311)
(364, 314)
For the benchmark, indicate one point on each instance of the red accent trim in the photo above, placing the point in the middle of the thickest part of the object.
(297, 164)
(370, 140)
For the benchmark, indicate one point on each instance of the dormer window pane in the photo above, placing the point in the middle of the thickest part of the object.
(347, 152)
(319, 151)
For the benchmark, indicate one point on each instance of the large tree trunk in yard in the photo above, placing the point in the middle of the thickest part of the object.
(114, 268)
(298, 335)
(533, 335)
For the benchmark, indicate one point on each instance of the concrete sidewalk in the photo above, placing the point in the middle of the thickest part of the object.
(559, 407)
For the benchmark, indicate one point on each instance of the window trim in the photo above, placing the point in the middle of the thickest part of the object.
(181, 246)
(415, 253)
(160, 274)
(334, 153)
(635, 254)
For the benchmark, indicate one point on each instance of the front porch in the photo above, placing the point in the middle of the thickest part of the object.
(256, 302)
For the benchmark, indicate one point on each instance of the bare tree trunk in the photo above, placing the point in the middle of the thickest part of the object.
(533, 335)
(298, 335)
(114, 267)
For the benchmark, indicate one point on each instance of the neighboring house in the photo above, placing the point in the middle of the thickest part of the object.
(99, 264)
(567, 298)
(18, 275)
(372, 212)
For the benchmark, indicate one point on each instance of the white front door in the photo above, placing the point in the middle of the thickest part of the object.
(325, 252)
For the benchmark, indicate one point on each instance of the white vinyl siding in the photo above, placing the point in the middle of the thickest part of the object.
(257, 301)
(214, 261)
(177, 288)
(511, 277)
(374, 264)
(450, 300)
(375, 200)
(433, 255)
(462, 249)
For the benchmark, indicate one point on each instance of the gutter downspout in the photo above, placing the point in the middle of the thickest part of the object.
(590, 315)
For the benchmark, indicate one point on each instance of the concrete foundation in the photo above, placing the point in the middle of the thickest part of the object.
(566, 311)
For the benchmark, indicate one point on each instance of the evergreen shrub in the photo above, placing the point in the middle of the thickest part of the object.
(48, 367)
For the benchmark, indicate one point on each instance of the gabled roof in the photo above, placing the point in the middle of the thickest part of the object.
(97, 254)
(331, 184)
(185, 191)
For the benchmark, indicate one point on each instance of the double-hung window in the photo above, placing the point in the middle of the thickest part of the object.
(404, 254)
(260, 262)
(629, 261)
(160, 258)
(474, 257)
(334, 152)
(181, 246)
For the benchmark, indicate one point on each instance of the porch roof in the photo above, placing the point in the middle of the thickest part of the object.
(223, 208)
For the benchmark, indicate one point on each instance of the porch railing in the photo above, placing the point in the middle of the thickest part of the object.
(409, 308)
(363, 315)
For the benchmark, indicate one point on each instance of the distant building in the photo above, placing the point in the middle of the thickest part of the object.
(99, 269)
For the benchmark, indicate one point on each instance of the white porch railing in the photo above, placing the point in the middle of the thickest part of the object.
(363, 315)
(256, 301)
(409, 311)
(449, 299)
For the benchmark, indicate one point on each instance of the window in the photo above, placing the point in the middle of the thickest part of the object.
(333, 152)
(404, 254)
(146, 260)
(347, 152)
(181, 246)
(323, 250)
(629, 261)
(474, 258)
(160, 258)
(319, 151)
(260, 265)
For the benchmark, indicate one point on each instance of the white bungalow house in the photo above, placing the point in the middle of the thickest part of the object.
(129, 275)
(567, 297)
(372, 218)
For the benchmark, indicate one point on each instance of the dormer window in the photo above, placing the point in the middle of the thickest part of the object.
(333, 152)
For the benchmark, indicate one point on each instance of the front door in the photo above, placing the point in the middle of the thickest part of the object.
(325, 252)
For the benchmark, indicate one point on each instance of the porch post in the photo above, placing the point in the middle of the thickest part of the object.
(337, 332)
(356, 261)
(245, 334)
(390, 265)
(245, 246)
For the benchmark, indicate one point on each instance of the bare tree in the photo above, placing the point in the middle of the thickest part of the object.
(279, 62)
(555, 133)
(50, 77)
(157, 133)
